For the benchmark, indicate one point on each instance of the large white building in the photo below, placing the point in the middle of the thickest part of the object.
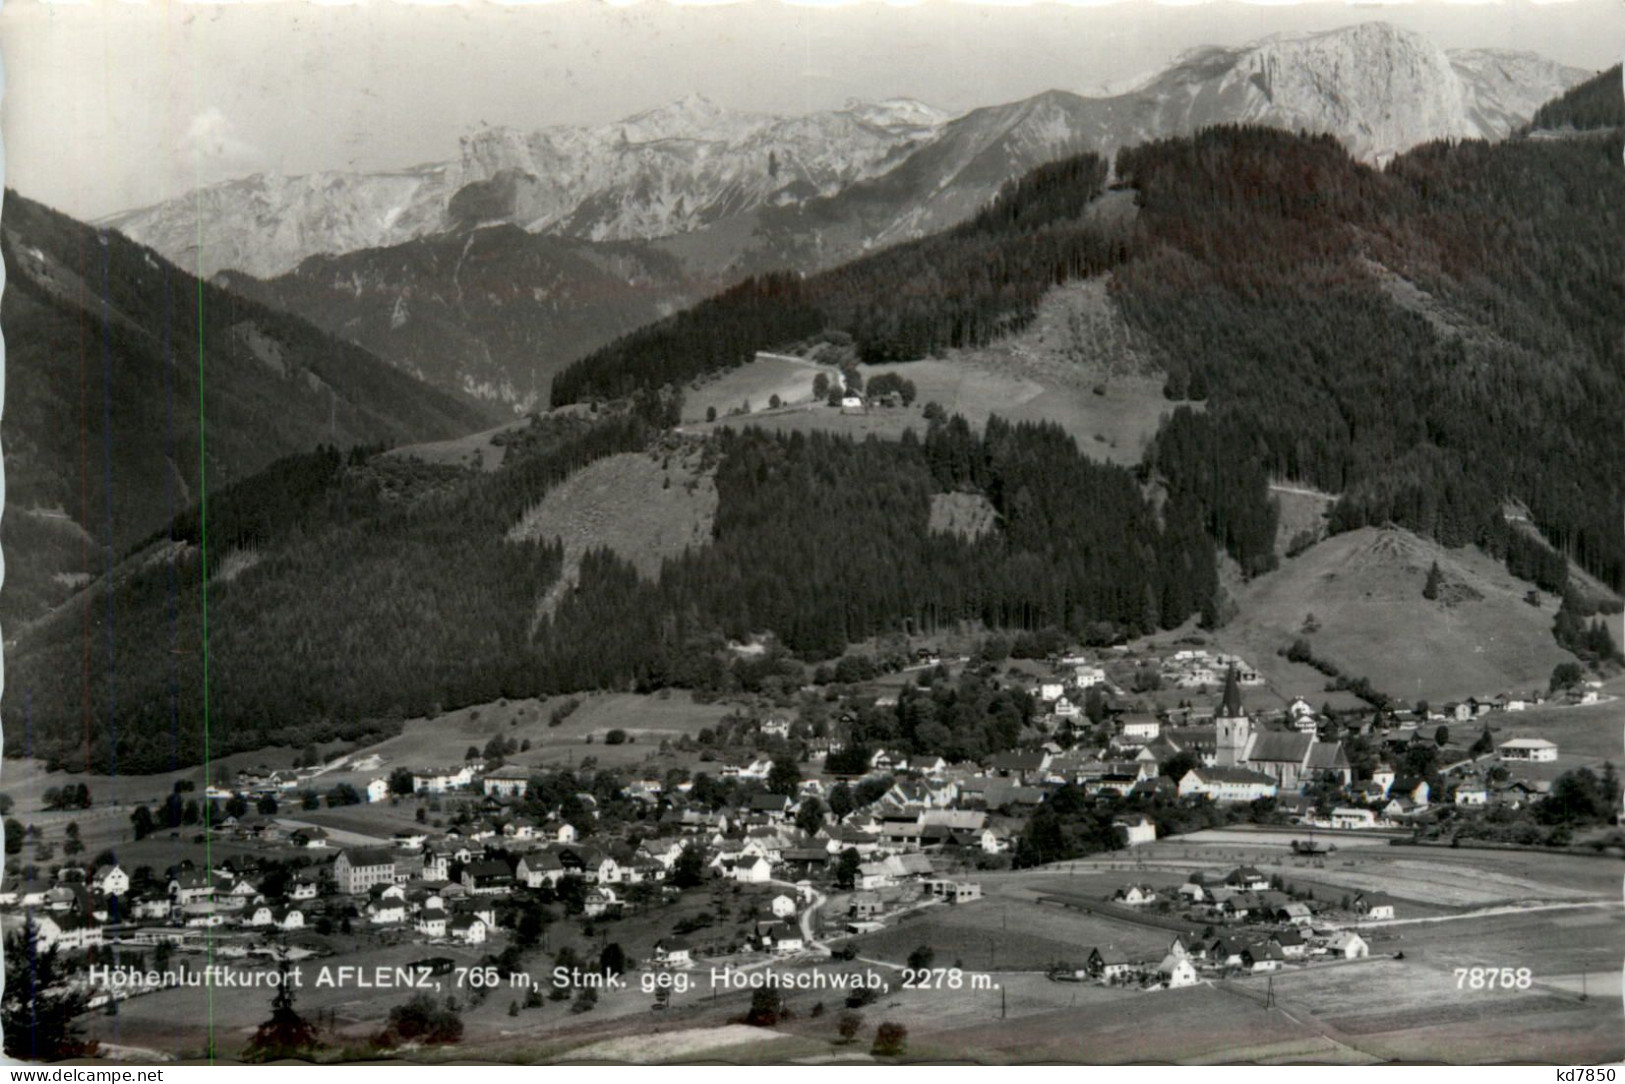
(1528, 749)
(1227, 785)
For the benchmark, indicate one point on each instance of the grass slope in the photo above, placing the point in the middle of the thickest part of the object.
(1364, 588)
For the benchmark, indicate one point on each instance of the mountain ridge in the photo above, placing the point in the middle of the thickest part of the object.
(688, 165)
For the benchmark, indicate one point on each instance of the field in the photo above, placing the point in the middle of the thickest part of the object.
(477, 450)
(443, 739)
(1588, 733)
(751, 387)
(1364, 590)
(1007, 934)
(1301, 511)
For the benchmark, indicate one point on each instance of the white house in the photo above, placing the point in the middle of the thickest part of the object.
(1138, 829)
(1373, 905)
(673, 952)
(1136, 895)
(1353, 817)
(783, 906)
(467, 929)
(753, 870)
(1348, 944)
(1538, 749)
(378, 790)
(111, 880)
(432, 922)
(1141, 727)
(439, 782)
(1176, 970)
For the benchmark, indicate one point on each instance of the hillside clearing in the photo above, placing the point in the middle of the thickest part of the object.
(645, 507)
(751, 387)
(481, 451)
(1078, 364)
(968, 515)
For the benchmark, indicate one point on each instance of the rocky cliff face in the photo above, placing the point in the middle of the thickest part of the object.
(833, 183)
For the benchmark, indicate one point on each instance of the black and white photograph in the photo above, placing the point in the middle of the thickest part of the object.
(822, 534)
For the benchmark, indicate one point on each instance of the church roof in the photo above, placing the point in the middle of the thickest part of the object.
(1327, 755)
(1280, 747)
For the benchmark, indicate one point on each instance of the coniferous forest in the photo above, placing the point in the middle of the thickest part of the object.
(1433, 342)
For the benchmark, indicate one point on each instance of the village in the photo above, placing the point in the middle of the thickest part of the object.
(767, 858)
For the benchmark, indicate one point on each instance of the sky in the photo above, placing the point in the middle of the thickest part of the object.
(113, 104)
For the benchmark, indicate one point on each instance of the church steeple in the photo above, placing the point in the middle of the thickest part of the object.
(1231, 729)
(1230, 707)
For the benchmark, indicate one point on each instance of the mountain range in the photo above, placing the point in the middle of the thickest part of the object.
(832, 183)
(488, 273)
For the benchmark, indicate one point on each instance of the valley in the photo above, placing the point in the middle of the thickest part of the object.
(1118, 578)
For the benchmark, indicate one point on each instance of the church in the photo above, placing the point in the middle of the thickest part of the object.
(1290, 757)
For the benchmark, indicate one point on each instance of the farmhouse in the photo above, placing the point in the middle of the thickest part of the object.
(1136, 895)
(673, 952)
(864, 905)
(432, 922)
(1110, 965)
(1373, 905)
(753, 870)
(487, 878)
(1348, 944)
(953, 891)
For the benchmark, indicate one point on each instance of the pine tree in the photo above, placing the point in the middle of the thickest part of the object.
(39, 1008)
(286, 1034)
(1430, 590)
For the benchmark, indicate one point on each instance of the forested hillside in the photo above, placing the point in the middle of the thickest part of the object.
(1599, 102)
(825, 541)
(367, 589)
(1425, 340)
(1254, 272)
(964, 287)
(489, 313)
(1428, 341)
(115, 362)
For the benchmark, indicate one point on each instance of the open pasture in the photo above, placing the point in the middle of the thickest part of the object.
(1008, 933)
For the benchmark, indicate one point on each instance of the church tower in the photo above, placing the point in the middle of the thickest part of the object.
(1231, 726)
